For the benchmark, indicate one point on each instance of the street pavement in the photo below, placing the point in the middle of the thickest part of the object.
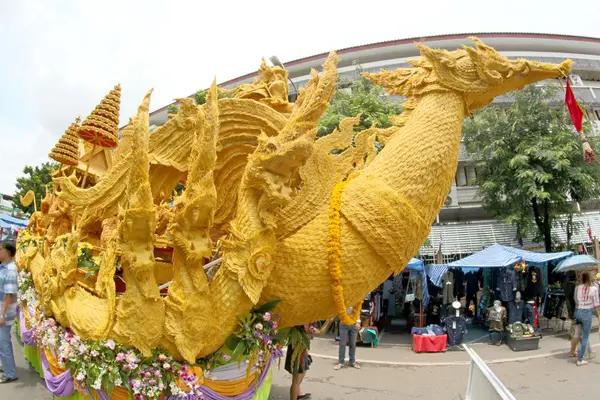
(395, 372)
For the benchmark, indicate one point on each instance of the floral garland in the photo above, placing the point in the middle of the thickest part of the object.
(334, 256)
(107, 364)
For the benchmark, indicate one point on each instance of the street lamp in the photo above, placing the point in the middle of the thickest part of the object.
(275, 61)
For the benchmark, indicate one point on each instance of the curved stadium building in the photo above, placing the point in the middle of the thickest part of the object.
(463, 224)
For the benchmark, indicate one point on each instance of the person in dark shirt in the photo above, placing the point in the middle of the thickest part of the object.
(569, 288)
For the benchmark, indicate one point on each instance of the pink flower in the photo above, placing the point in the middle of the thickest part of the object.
(226, 357)
(259, 326)
(82, 349)
(131, 358)
(110, 344)
(167, 366)
(157, 374)
(148, 374)
(275, 324)
(152, 382)
(162, 358)
(267, 316)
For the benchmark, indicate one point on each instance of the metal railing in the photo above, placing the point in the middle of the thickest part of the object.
(483, 384)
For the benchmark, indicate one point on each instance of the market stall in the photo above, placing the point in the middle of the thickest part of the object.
(515, 287)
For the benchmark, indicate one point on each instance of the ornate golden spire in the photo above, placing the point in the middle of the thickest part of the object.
(101, 127)
(66, 150)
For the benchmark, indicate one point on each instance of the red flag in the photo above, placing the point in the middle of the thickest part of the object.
(589, 232)
(574, 109)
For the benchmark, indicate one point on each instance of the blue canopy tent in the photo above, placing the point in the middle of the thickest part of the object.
(21, 223)
(498, 256)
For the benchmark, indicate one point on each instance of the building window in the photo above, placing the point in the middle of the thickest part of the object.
(461, 177)
(471, 175)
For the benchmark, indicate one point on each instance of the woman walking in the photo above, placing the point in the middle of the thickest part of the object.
(586, 300)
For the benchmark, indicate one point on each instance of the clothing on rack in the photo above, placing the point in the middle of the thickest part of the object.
(387, 285)
(434, 311)
(472, 280)
(554, 299)
(448, 290)
(507, 284)
(391, 308)
(516, 311)
(521, 277)
(455, 327)
(459, 283)
(535, 286)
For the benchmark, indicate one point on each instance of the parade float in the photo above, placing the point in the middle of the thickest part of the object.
(132, 290)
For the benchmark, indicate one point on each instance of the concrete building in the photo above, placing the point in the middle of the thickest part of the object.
(463, 223)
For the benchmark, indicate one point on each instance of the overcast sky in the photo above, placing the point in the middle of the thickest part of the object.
(59, 58)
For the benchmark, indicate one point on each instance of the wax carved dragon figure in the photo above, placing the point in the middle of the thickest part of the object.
(288, 211)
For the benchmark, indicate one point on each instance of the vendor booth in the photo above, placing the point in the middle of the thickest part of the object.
(515, 289)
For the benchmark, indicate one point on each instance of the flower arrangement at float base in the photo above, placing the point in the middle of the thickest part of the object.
(27, 239)
(107, 364)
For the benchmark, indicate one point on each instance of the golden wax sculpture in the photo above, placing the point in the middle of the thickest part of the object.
(66, 150)
(317, 230)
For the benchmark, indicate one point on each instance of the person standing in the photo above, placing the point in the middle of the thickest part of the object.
(348, 331)
(8, 309)
(586, 300)
(298, 367)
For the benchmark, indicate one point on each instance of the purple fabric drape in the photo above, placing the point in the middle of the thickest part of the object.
(26, 334)
(212, 395)
(61, 385)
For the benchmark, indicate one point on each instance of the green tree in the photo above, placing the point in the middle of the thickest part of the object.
(35, 179)
(359, 97)
(529, 161)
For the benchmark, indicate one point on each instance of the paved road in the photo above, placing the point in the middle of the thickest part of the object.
(550, 378)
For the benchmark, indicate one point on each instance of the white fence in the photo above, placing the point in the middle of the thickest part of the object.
(483, 384)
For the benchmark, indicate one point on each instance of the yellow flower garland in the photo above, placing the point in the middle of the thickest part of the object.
(334, 256)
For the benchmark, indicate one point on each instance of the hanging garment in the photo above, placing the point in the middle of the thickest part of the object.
(459, 283)
(391, 310)
(387, 285)
(472, 279)
(535, 286)
(553, 302)
(448, 290)
(516, 312)
(455, 327)
(507, 284)
(521, 277)
(434, 311)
